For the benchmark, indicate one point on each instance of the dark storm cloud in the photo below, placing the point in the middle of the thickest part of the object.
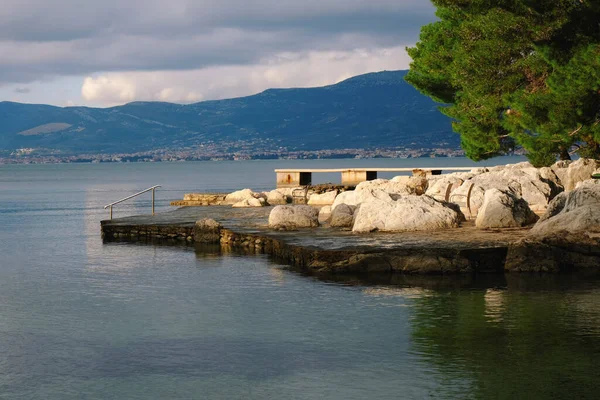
(68, 37)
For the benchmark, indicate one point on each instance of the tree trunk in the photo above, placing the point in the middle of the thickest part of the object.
(564, 153)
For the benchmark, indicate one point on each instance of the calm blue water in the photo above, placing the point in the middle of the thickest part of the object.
(80, 319)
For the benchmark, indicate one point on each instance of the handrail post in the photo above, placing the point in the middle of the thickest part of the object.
(153, 201)
(111, 212)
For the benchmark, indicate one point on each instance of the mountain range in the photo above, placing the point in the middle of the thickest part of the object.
(375, 110)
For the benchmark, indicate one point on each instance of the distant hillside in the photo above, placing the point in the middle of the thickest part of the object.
(372, 110)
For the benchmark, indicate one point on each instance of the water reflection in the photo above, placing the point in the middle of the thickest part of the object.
(511, 343)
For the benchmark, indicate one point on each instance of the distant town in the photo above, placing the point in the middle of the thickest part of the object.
(219, 152)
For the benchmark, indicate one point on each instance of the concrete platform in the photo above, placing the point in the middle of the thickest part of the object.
(327, 249)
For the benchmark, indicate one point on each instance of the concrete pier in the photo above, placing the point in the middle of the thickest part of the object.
(290, 179)
(287, 178)
(353, 177)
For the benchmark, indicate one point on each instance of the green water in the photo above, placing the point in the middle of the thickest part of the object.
(83, 319)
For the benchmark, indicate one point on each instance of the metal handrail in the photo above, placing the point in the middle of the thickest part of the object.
(153, 188)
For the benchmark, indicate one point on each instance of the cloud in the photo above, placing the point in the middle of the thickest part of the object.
(22, 90)
(315, 68)
(111, 41)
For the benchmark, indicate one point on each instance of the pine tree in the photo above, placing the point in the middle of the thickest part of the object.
(515, 73)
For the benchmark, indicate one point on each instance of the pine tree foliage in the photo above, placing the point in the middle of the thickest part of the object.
(515, 72)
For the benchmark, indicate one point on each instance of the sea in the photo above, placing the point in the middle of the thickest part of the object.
(84, 319)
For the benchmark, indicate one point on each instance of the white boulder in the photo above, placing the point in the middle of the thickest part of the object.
(248, 203)
(326, 198)
(240, 195)
(504, 210)
(577, 211)
(405, 213)
(438, 187)
(293, 217)
(276, 197)
(575, 172)
(524, 182)
(388, 186)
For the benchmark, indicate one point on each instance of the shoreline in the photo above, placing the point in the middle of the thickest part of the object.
(463, 250)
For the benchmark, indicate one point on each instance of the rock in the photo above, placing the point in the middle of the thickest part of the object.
(207, 230)
(239, 196)
(404, 213)
(383, 184)
(573, 212)
(417, 185)
(326, 198)
(412, 184)
(248, 203)
(342, 216)
(401, 179)
(324, 214)
(293, 217)
(576, 171)
(355, 197)
(348, 198)
(524, 182)
(557, 252)
(276, 197)
(438, 187)
(504, 210)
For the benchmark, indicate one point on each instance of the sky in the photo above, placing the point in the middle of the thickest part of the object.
(103, 53)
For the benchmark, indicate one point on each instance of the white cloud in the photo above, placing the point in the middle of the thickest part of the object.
(108, 89)
(315, 68)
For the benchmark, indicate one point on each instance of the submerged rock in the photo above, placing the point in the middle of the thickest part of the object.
(293, 217)
(404, 213)
(504, 210)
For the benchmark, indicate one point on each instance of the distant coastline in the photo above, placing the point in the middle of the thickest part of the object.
(39, 156)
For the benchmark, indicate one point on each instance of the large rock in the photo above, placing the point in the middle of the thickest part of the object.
(240, 195)
(524, 182)
(207, 230)
(404, 213)
(438, 187)
(575, 211)
(326, 198)
(576, 172)
(566, 238)
(388, 186)
(417, 185)
(356, 197)
(293, 217)
(342, 216)
(324, 214)
(504, 210)
(276, 198)
(249, 203)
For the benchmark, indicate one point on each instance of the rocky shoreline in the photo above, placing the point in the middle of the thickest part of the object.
(514, 218)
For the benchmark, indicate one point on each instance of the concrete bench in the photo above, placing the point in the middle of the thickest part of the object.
(350, 176)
